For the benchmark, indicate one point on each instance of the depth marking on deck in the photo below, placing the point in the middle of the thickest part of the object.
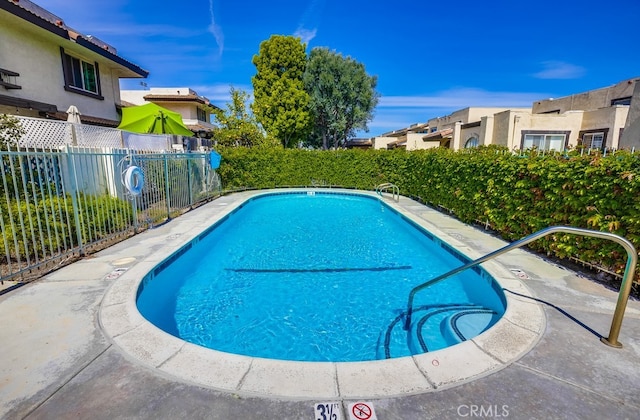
(328, 411)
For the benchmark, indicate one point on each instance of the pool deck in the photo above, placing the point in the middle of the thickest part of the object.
(73, 347)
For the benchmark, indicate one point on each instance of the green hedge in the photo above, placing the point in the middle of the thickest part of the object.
(275, 167)
(515, 195)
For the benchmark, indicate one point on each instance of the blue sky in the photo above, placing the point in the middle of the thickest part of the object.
(430, 58)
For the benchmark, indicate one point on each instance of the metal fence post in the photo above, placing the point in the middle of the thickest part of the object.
(134, 205)
(166, 186)
(74, 198)
(189, 181)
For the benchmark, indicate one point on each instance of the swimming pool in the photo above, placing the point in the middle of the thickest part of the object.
(135, 338)
(317, 276)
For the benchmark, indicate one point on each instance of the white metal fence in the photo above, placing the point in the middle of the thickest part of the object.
(61, 198)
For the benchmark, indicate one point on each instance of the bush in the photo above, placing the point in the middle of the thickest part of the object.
(48, 227)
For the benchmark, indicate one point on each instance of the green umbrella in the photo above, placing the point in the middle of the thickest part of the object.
(152, 118)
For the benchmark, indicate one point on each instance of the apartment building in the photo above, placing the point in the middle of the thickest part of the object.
(594, 119)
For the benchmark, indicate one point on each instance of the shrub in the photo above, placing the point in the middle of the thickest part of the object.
(48, 227)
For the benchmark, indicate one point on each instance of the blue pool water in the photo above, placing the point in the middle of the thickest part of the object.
(317, 277)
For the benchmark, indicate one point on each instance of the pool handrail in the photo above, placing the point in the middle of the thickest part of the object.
(623, 294)
(395, 190)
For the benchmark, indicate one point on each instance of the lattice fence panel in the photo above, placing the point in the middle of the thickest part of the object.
(45, 134)
(147, 142)
(94, 136)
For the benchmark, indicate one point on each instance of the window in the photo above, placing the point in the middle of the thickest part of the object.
(471, 142)
(544, 141)
(202, 114)
(8, 79)
(621, 101)
(81, 76)
(593, 140)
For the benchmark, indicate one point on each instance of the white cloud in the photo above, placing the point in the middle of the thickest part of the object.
(305, 35)
(461, 98)
(559, 70)
(216, 30)
(308, 26)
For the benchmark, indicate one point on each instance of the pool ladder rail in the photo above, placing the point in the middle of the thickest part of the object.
(625, 286)
(395, 191)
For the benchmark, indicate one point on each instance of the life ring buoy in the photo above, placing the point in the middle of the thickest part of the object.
(134, 180)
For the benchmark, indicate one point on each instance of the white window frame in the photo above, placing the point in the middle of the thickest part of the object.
(545, 141)
(79, 74)
(593, 140)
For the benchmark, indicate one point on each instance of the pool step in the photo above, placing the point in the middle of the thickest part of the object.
(433, 327)
(466, 324)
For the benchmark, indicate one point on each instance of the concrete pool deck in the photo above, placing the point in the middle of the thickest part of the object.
(75, 347)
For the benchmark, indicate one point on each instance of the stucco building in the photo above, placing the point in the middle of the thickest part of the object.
(194, 109)
(47, 66)
(594, 119)
(409, 138)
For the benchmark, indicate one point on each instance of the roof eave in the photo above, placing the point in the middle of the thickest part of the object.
(59, 28)
(174, 98)
(30, 17)
(136, 71)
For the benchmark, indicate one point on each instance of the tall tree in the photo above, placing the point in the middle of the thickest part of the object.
(236, 125)
(281, 103)
(342, 96)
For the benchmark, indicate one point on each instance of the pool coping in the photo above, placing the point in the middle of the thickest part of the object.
(513, 336)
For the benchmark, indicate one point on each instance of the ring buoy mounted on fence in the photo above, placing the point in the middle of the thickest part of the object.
(134, 180)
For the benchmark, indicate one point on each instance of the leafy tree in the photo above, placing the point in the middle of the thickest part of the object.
(343, 96)
(281, 103)
(10, 131)
(237, 126)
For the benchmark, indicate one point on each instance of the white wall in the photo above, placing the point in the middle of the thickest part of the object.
(34, 53)
(382, 142)
(135, 97)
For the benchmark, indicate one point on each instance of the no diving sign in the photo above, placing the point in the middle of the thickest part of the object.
(362, 411)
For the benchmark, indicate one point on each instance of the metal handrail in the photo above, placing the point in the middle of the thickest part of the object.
(395, 190)
(625, 286)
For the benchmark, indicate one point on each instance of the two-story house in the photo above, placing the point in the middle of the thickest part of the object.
(194, 109)
(46, 66)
